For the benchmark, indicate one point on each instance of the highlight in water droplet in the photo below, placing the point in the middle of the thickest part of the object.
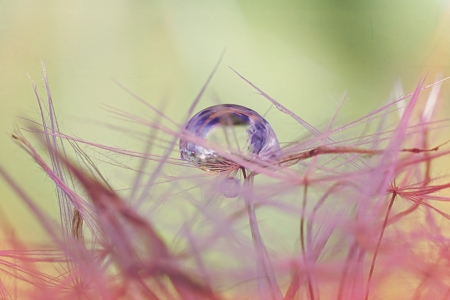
(236, 129)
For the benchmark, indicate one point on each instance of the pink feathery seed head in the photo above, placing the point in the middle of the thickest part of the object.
(330, 216)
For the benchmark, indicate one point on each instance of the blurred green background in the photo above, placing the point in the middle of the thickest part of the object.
(303, 53)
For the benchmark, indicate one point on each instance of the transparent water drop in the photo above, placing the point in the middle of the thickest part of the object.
(230, 187)
(236, 129)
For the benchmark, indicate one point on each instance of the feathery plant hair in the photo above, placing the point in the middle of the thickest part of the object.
(324, 217)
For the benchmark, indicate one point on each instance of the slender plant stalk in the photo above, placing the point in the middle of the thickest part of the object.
(380, 238)
(267, 282)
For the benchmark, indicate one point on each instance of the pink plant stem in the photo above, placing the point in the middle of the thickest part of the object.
(345, 271)
(265, 274)
(295, 283)
(303, 242)
(374, 259)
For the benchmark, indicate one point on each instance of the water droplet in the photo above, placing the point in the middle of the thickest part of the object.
(236, 129)
(230, 187)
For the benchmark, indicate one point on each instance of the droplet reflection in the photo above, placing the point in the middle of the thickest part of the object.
(236, 129)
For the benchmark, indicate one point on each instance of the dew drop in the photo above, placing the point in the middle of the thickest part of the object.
(230, 187)
(236, 129)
